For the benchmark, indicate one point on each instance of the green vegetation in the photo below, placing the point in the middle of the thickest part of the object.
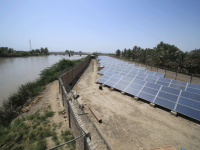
(11, 106)
(165, 56)
(30, 133)
(10, 52)
(60, 112)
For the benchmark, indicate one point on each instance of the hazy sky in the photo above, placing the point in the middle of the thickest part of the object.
(99, 25)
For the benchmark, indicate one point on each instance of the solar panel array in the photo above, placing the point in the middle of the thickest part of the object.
(176, 95)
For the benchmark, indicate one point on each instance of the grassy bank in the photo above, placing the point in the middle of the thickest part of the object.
(30, 133)
(10, 108)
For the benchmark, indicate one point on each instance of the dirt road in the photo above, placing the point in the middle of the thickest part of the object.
(134, 125)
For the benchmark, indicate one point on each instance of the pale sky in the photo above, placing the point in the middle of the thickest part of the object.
(99, 25)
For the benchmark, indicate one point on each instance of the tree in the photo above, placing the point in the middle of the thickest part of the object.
(125, 52)
(128, 53)
(46, 51)
(37, 51)
(67, 51)
(118, 52)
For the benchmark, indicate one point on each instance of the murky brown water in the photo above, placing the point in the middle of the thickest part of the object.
(19, 70)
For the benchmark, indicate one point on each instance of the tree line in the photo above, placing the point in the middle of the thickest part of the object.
(165, 56)
(10, 52)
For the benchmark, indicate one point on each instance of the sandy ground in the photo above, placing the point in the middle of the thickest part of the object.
(52, 97)
(133, 125)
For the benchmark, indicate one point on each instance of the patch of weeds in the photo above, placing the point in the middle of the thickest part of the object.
(59, 125)
(55, 139)
(60, 112)
(49, 113)
(49, 106)
(67, 136)
(45, 123)
(54, 126)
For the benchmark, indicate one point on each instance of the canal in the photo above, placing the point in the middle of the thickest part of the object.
(19, 70)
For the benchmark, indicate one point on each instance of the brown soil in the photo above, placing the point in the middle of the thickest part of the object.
(129, 124)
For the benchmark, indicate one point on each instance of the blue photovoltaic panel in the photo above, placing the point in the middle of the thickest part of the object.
(131, 76)
(105, 77)
(150, 72)
(164, 80)
(142, 75)
(194, 86)
(117, 76)
(150, 91)
(139, 78)
(188, 111)
(150, 80)
(165, 103)
(116, 72)
(140, 82)
(115, 80)
(146, 96)
(189, 103)
(168, 96)
(135, 86)
(162, 83)
(109, 83)
(125, 83)
(193, 90)
(123, 74)
(189, 95)
(152, 77)
(177, 86)
(131, 91)
(108, 73)
(127, 79)
(133, 72)
(152, 85)
(179, 82)
(170, 90)
(120, 87)
(101, 80)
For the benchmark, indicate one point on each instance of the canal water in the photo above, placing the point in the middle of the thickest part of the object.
(19, 70)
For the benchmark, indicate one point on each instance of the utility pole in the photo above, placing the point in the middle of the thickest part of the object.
(30, 44)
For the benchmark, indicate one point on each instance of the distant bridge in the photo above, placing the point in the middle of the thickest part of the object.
(75, 53)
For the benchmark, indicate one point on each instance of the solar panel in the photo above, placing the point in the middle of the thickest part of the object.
(150, 91)
(162, 83)
(170, 90)
(193, 90)
(154, 86)
(119, 87)
(105, 77)
(138, 82)
(164, 80)
(135, 86)
(101, 80)
(188, 111)
(168, 96)
(150, 80)
(122, 82)
(194, 86)
(191, 96)
(179, 82)
(110, 83)
(146, 96)
(115, 80)
(127, 79)
(165, 103)
(131, 91)
(189, 103)
(177, 86)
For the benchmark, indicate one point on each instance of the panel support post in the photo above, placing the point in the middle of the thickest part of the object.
(173, 113)
(123, 93)
(136, 98)
(191, 78)
(152, 104)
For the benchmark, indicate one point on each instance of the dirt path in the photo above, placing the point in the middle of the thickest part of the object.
(134, 125)
(51, 100)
